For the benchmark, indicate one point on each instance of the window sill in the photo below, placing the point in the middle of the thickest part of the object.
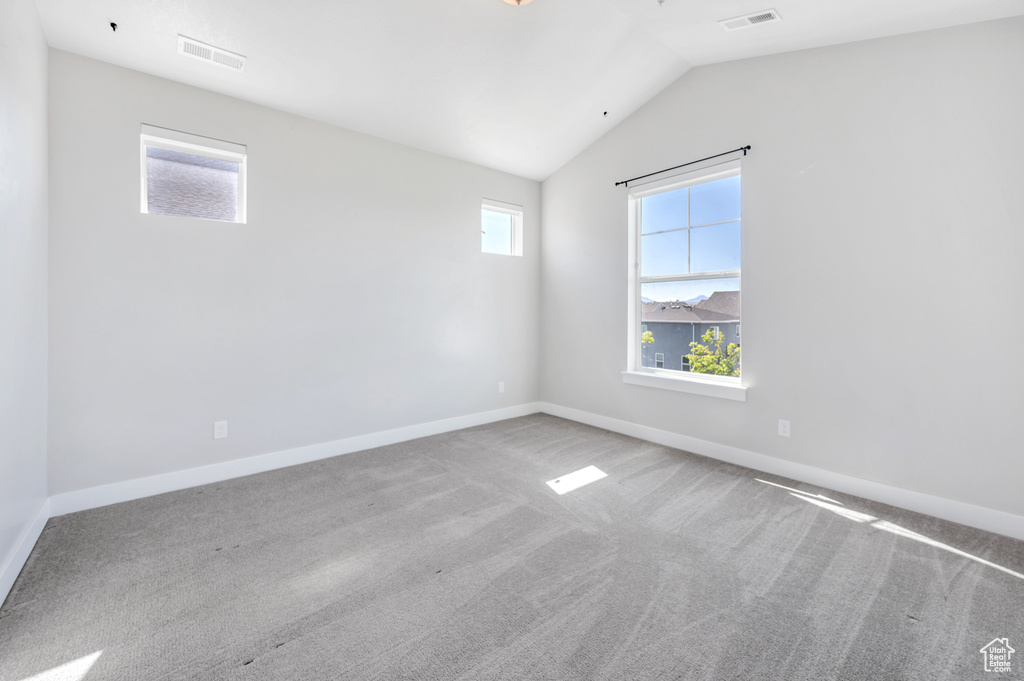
(687, 384)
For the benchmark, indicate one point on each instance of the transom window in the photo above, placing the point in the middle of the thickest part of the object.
(192, 176)
(687, 274)
(501, 228)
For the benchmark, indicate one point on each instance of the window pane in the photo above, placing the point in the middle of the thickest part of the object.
(687, 291)
(496, 231)
(663, 211)
(716, 201)
(191, 185)
(664, 253)
(679, 314)
(715, 248)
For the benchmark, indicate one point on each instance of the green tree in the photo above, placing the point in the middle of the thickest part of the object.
(709, 358)
(646, 337)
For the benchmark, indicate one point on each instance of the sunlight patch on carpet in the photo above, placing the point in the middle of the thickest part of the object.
(72, 671)
(576, 479)
(886, 526)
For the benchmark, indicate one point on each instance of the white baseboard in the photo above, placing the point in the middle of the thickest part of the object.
(980, 517)
(11, 567)
(94, 497)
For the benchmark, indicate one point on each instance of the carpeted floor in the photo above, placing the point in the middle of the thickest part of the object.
(449, 558)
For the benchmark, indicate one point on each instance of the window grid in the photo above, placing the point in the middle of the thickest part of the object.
(700, 178)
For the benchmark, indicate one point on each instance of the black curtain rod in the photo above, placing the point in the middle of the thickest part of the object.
(724, 153)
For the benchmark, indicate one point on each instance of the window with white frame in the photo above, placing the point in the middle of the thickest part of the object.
(501, 228)
(686, 274)
(192, 176)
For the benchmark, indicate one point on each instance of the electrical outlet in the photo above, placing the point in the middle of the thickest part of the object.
(220, 430)
(501, 386)
(783, 428)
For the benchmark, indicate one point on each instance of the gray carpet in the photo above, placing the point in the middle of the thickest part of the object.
(449, 558)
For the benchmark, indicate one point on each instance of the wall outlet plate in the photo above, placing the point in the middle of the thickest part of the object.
(220, 430)
(783, 428)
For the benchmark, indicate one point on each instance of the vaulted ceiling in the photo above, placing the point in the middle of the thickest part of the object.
(518, 88)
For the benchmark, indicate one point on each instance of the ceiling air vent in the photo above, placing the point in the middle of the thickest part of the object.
(746, 20)
(204, 52)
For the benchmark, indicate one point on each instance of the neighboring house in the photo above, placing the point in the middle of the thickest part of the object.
(675, 325)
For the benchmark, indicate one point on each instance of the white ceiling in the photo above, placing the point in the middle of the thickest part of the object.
(521, 89)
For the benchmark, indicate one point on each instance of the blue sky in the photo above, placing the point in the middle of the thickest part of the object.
(497, 232)
(685, 290)
(688, 231)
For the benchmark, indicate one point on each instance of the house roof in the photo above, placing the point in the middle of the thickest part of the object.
(725, 302)
(722, 306)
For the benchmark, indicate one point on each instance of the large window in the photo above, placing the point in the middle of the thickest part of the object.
(686, 287)
(192, 176)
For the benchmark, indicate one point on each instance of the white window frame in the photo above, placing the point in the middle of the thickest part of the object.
(516, 212)
(726, 387)
(659, 357)
(187, 143)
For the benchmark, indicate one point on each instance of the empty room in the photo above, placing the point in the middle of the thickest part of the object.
(511, 339)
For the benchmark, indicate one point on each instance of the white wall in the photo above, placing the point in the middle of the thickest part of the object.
(882, 249)
(355, 300)
(23, 218)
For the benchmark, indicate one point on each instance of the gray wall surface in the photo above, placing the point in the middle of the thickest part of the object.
(355, 300)
(884, 182)
(23, 216)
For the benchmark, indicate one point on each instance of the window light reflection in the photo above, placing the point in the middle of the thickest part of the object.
(576, 479)
(72, 671)
(792, 489)
(886, 526)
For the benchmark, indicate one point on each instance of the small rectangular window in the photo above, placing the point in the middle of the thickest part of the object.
(659, 360)
(684, 364)
(738, 331)
(192, 176)
(501, 228)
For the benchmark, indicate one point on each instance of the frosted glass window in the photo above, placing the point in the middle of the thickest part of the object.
(191, 176)
(190, 185)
